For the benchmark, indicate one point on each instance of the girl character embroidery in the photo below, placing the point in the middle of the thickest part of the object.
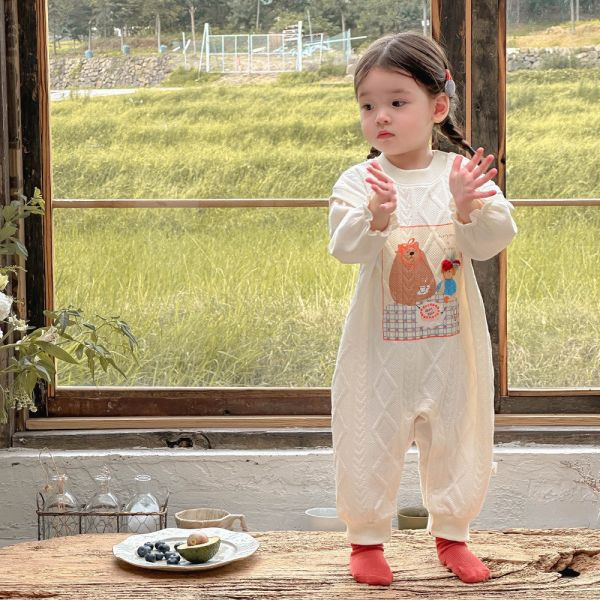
(436, 390)
(449, 285)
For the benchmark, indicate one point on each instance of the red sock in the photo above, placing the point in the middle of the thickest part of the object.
(461, 561)
(368, 565)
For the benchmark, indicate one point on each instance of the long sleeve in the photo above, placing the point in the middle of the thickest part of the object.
(491, 228)
(351, 237)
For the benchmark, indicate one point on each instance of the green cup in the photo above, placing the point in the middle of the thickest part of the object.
(412, 517)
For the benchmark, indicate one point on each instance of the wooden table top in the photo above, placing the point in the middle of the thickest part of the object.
(311, 565)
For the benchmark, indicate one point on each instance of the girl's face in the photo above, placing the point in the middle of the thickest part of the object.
(393, 102)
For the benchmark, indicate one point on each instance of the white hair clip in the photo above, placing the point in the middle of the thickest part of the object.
(449, 86)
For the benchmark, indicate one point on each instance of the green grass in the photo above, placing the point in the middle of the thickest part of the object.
(251, 296)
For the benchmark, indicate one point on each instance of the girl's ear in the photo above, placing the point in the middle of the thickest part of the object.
(441, 107)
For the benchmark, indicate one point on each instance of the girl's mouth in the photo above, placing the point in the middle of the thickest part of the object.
(384, 134)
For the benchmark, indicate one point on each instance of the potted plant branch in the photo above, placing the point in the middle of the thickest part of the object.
(70, 337)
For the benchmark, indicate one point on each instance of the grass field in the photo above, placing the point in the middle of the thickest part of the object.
(251, 296)
(534, 35)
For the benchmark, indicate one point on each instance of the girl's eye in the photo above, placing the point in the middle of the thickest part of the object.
(394, 103)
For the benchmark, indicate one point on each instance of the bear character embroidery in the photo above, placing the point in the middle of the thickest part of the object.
(411, 279)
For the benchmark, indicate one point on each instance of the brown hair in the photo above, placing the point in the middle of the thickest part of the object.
(426, 62)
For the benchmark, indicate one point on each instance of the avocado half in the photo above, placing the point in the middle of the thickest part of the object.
(201, 552)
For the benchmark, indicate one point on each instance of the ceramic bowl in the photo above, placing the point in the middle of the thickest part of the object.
(324, 519)
(412, 517)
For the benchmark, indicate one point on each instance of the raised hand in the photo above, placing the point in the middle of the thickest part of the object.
(465, 181)
(383, 200)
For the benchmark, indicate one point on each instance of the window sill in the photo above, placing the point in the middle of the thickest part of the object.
(264, 438)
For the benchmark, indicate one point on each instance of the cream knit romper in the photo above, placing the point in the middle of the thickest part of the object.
(414, 361)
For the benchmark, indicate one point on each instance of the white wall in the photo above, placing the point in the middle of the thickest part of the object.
(274, 488)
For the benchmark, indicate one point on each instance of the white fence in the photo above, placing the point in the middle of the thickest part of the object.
(290, 50)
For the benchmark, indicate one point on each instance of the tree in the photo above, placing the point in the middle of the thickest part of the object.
(390, 17)
(161, 14)
(57, 21)
(69, 19)
(242, 15)
(103, 16)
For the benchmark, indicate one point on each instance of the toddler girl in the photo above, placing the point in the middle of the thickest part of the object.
(414, 361)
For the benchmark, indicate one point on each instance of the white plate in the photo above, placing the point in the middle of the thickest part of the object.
(235, 545)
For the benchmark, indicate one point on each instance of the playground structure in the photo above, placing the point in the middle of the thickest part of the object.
(290, 50)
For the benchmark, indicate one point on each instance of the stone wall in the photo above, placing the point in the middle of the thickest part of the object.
(111, 72)
(147, 71)
(538, 58)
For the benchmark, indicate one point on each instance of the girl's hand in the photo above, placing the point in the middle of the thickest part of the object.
(383, 201)
(465, 181)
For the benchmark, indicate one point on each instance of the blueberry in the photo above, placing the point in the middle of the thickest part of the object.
(164, 547)
(159, 555)
(159, 543)
(143, 550)
(169, 554)
(173, 560)
(150, 557)
(149, 544)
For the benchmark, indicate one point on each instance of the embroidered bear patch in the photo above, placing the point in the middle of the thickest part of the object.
(421, 268)
(411, 278)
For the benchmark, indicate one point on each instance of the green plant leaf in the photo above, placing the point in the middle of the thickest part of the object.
(9, 212)
(29, 381)
(112, 362)
(43, 371)
(48, 363)
(57, 352)
(20, 247)
(90, 361)
(63, 320)
(7, 231)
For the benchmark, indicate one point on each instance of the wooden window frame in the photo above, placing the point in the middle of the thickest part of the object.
(474, 35)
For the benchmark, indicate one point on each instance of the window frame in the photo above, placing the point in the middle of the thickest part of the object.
(479, 60)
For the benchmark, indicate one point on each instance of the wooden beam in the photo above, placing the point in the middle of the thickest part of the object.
(35, 128)
(11, 75)
(563, 392)
(488, 75)
(450, 28)
(564, 404)
(191, 203)
(169, 422)
(87, 401)
(266, 202)
(38, 424)
(474, 37)
(8, 428)
(260, 438)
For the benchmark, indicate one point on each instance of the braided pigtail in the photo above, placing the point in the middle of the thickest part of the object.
(374, 153)
(449, 129)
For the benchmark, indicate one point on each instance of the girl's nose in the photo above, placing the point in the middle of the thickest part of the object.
(382, 117)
